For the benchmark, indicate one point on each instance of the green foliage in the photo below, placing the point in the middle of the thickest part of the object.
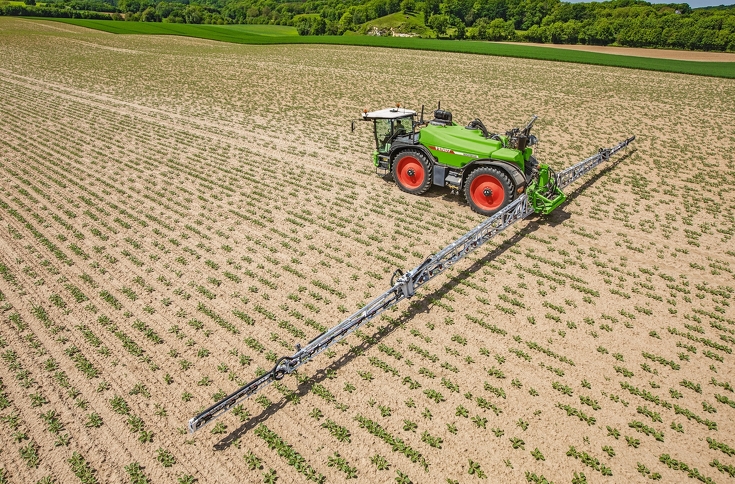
(433, 441)
(681, 466)
(661, 360)
(434, 395)
(380, 462)
(590, 461)
(691, 416)
(94, 420)
(397, 444)
(341, 463)
(713, 444)
(654, 416)
(253, 461)
(402, 478)
(29, 454)
(645, 471)
(534, 478)
(81, 362)
(135, 472)
(377, 362)
(548, 352)
(646, 395)
(475, 469)
(165, 457)
(562, 388)
(119, 405)
(499, 392)
(295, 459)
(81, 468)
(252, 35)
(643, 428)
(725, 468)
(571, 411)
(338, 432)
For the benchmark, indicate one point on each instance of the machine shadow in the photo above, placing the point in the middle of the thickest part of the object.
(416, 308)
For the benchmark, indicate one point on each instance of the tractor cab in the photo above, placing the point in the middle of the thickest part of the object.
(388, 124)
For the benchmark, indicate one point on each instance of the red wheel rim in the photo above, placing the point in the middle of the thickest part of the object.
(487, 182)
(407, 165)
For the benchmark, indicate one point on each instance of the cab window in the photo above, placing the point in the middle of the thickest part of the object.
(387, 129)
(383, 134)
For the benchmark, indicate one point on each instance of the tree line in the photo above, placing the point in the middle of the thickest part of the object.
(634, 23)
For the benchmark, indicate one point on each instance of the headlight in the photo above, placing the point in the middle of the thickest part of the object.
(532, 140)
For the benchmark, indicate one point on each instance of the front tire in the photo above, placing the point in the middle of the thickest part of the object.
(412, 172)
(487, 190)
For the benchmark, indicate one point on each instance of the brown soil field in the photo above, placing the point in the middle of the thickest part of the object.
(175, 214)
(687, 55)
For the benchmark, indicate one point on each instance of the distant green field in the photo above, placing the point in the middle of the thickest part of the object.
(271, 34)
(240, 34)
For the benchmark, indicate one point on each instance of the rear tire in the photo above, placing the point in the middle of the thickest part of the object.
(487, 190)
(412, 172)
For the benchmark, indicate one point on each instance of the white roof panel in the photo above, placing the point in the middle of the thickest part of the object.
(389, 113)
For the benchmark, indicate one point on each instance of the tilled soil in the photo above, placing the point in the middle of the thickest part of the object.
(175, 214)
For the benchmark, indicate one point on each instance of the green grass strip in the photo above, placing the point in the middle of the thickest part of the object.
(268, 35)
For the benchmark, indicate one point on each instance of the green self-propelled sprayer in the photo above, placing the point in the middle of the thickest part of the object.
(490, 169)
(499, 177)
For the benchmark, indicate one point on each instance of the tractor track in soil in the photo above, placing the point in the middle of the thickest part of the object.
(120, 107)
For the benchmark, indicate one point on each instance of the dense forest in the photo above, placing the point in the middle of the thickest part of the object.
(633, 23)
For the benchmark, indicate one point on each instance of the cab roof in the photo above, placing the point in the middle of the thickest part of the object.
(389, 113)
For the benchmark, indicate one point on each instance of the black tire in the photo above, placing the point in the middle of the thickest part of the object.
(412, 172)
(488, 189)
